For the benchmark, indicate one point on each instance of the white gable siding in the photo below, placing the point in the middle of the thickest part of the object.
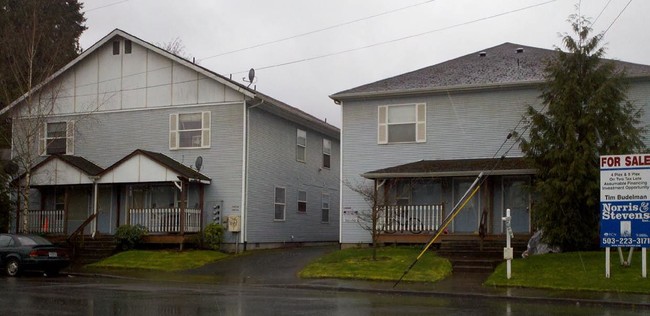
(142, 79)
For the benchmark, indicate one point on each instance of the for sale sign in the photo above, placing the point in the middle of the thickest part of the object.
(624, 201)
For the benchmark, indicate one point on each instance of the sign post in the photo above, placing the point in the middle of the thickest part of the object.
(625, 204)
(507, 251)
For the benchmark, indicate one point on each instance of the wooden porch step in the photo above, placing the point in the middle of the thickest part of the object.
(473, 254)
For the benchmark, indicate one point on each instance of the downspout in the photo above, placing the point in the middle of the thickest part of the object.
(95, 202)
(245, 150)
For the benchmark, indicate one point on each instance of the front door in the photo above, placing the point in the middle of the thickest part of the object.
(467, 219)
(78, 208)
(516, 198)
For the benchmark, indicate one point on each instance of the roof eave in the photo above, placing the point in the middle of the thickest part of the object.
(441, 174)
(434, 90)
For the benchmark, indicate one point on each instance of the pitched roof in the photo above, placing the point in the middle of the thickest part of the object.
(282, 108)
(179, 168)
(82, 164)
(505, 64)
(444, 168)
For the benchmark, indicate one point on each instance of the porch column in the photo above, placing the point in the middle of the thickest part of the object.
(201, 197)
(184, 188)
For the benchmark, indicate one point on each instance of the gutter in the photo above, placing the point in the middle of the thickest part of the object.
(447, 174)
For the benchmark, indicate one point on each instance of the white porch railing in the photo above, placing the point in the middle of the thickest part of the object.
(45, 222)
(413, 219)
(166, 220)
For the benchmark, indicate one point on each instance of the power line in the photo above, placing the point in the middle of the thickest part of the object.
(399, 39)
(105, 6)
(616, 19)
(317, 31)
(601, 13)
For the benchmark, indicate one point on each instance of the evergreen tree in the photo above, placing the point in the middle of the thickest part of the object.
(586, 114)
(36, 39)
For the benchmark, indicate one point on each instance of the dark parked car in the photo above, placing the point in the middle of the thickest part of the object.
(29, 252)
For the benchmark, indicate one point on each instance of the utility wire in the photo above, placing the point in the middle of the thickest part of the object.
(316, 31)
(616, 19)
(105, 6)
(601, 12)
(399, 39)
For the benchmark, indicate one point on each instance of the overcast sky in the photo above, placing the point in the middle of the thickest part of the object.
(305, 50)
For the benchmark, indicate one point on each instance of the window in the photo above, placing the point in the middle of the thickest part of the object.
(280, 204)
(302, 201)
(325, 209)
(127, 46)
(189, 130)
(57, 138)
(116, 47)
(401, 123)
(327, 153)
(301, 145)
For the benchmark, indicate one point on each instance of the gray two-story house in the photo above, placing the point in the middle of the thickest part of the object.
(129, 133)
(420, 139)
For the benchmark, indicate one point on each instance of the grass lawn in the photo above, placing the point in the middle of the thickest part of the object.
(159, 260)
(390, 265)
(574, 271)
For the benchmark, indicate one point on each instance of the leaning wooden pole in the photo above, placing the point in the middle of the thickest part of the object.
(471, 191)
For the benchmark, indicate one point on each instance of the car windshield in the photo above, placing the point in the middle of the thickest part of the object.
(32, 240)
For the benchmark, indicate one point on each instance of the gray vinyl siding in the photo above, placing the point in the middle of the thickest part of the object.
(272, 163)
(639, 95)
(459, 125)
(105, 138)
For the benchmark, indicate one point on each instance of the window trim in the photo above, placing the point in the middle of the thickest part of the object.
(419, 123)
(116, 47)
(69, 138)
(174, 130)
(284, 204)
(329, 153)
(303, 146)
(128, 46)
(302, 201)
(323, 208)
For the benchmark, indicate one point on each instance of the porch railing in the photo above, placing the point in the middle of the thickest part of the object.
(166, 220)
(410, 218)
(45, 222)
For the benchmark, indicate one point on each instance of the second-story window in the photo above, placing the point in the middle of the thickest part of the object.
(327, 153)
(404, 123)
(301, 145)
(57, 138)
(189, 130)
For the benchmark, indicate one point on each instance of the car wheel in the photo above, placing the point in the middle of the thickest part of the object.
(13, 267)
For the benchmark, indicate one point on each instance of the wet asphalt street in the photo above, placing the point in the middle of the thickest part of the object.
(266, 283)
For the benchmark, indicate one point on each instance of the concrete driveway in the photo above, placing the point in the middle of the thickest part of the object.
(272, 266)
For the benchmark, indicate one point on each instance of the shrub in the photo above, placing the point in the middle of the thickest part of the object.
(213, 235)
(129, 236)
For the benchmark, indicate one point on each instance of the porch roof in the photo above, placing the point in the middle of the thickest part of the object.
(147, 166)
(450, 168)
(62, 170)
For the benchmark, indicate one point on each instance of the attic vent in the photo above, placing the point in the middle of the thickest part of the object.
(520, 50)
(482, 54)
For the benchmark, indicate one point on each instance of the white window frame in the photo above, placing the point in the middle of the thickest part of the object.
(419, 124)
(175, 131)
(327, 151)
(301, 134)
(325, 207)
(276, 203)
(304, 201)
(45, 139)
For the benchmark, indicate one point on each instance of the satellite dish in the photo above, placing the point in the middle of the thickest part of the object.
(251, 77)
(198, 163)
